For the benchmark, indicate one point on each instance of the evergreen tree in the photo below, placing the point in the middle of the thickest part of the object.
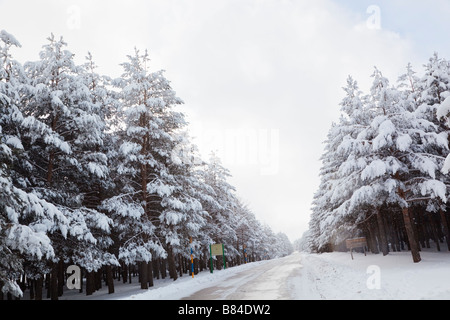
(24, 218)
(63, 150)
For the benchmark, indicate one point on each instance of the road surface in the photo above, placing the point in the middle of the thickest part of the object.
(270, 281)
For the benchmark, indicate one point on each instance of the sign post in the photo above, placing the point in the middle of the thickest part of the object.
(210, 255)
(356, 243)
(223, 256)
(217, 250)
(192, 259)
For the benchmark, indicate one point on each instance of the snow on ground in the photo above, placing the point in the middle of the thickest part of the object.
(187, 286)
(372, 277)
(166, 289)
(331, 276)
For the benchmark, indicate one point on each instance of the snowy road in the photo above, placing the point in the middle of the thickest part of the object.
(269, 281)
(302, 276)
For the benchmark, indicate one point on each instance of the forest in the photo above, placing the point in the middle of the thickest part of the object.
(101, 173)
(384, 172)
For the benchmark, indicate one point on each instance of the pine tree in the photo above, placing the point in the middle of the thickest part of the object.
(390, 161)
(340, 173)
(64, 130)
(222, 211)
(24, 218)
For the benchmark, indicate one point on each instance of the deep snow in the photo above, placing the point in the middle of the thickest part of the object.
(374, 277)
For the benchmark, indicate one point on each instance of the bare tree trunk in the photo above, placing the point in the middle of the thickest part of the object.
(411, 237)
(371, 240)
(124, 272)
(446, 229)
(90, 283)
(150, 274)
(156, 268)
(382, 232)
(434, 230)
(54, 281)
(109, 279)
(172, 267)
(413, 243)
(143, 270)
(38, 289)
(61, 282)
(82, 270)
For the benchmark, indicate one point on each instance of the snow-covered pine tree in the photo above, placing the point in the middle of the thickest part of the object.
(402, 165)
(382, 161)
(434, 101)
(331, 221)
(63, 130)
(93, 146)
(24, 218)
(150, 138)
(183, 216)
(222, 218)
(244, 232)
(283, 245)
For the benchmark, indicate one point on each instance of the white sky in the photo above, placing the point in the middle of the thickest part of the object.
(261, 79)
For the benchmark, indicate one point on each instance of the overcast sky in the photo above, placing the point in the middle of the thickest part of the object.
(261, 79)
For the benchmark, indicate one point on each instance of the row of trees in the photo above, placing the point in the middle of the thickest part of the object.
(384, 173)
(101, 173)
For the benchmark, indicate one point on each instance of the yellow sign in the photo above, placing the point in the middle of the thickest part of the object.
(216, 249)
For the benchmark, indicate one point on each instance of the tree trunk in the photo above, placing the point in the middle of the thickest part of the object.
(90, 283)
(434, 231)
(156, 267)
(61, 282)
(172, 267)
(180, 265)
(196, 266)
(411, 237)
(446, 228)
(150, 273)
(200, 263)
(48, 284)
(38, 289)
(98, 280)
(394, 233)
(32, 284)
(124, 272)
(372, 241)
(422, 230)
(413, 243)
(109, 279)
(54, 281)
(144, 275)
(81, 280)
(163, 268)
(381, 229)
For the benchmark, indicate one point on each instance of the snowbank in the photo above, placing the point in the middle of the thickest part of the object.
(336, 276)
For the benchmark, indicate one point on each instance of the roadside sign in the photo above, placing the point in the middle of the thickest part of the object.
(217, 250)
(356, 243)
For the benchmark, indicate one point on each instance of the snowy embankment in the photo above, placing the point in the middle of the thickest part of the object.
(371, 277)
